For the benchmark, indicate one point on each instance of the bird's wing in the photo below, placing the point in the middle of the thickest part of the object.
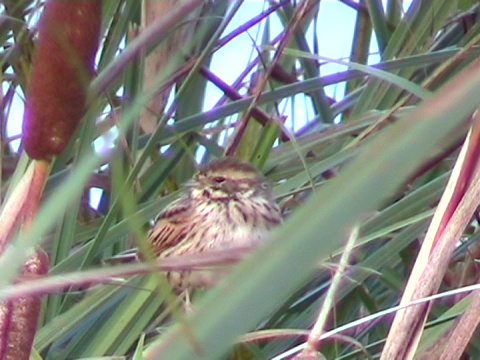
(171, 227)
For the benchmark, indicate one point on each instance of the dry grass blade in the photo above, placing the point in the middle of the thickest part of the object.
(451, 218)
(452, 344)
(12, 208)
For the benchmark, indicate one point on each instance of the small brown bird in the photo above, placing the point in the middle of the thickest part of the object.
(229, 204)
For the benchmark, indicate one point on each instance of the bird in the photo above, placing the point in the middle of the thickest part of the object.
(228, 204)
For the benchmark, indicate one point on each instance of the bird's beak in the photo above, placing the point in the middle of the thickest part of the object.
(229, 187)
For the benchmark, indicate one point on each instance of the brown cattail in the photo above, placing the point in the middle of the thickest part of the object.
(62, 68)
(19, 317)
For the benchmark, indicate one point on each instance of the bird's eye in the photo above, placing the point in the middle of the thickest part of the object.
(219, 179)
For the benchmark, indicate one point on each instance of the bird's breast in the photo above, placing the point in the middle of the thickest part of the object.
(233, 223)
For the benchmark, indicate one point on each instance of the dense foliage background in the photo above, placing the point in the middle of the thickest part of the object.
(371, 167)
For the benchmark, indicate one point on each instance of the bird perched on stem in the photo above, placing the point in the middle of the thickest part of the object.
(229, 204)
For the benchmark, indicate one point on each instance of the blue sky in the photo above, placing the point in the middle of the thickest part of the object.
(334, 34)
(334, 30)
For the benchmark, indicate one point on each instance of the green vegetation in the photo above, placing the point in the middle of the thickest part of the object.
(371, 167)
